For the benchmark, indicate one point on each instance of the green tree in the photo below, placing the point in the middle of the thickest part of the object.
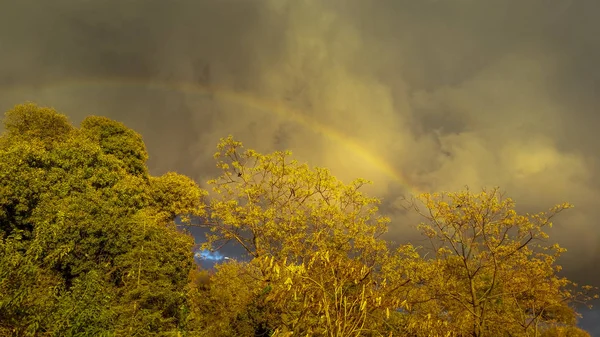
(116, 139)
(88, 239)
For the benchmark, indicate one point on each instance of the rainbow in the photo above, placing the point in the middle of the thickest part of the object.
(241, 98)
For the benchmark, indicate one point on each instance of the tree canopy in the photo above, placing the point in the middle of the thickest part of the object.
(495, 271)
(88, 241)
(89, 247)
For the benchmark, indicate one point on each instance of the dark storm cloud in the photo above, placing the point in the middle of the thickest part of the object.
(43, 43)
(449, 92)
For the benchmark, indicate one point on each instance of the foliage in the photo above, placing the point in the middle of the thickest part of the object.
(87, 236)
(316, 249)
(29, 121)
(495, 273)
(89, 247)
(116, 139)
(566, 331)
(229, 302)
(316, 241)
(275, 206)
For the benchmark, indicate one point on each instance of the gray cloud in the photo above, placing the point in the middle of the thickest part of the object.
(448, 92)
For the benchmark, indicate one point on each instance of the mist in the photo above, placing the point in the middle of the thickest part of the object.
(448, 93)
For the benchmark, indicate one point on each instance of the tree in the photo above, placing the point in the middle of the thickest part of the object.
(496, 274)
(116, 139)
(87, 237)
(316, 241)
(28, 121)
(229, 301)
(88, 246)
(568, 331)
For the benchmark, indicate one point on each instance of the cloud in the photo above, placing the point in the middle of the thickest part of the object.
(449, 93)
(210, 256)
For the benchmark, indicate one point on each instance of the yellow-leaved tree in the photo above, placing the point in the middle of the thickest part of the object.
(495, 270)
(315, 241)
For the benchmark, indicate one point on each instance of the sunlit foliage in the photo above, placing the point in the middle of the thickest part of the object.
(230, 302)
(316, 241)
(495, 270)
(326, 270)
(88, 247)
(87, 237)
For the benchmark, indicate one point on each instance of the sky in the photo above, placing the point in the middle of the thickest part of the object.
(416, 95)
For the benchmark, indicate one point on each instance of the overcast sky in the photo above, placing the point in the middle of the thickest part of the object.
(450, 93)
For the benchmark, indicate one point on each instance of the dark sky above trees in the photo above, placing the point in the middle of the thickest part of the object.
(450, 93)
